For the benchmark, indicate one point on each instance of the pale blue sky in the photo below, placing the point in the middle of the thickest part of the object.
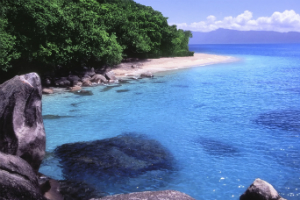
(195, 11)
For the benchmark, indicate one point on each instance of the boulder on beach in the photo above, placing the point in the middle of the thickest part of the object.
(108, 164)
(150, 195)
(21, 125)
(146, 75)
(47, 91)
(98, 78)
(110, 76)
(261, 190)
(17, 179)
(75, 88)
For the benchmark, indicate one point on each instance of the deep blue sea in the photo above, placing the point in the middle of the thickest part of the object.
(225, 124)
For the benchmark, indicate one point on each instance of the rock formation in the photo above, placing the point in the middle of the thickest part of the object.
(21, 125)
(17, 179)
(261, 190)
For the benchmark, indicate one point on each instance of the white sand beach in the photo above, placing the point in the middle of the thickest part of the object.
(136, 68)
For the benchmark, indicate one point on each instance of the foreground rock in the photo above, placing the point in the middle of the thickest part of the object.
(156, 195)
(21, 125)
(17, 179)
(261, 190)
(67, 190)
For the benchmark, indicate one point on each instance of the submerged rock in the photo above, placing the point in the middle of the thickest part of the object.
(17, 179)
(55, 117)
(217, 148)
(84, 93)
(287, 120)
(124, 155)
(121, 91)
(21, 124)
(261, 190)
(154, 195)
(127, 163)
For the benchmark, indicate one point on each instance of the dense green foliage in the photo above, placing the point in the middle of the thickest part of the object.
(37, 34)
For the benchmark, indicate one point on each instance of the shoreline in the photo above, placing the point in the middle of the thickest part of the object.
(136, 68)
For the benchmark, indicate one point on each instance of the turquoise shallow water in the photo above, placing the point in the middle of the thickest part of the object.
(225, 124)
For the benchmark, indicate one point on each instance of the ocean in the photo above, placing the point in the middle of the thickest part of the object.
(225, 124)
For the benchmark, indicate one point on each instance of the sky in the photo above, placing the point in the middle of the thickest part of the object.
(243, 15)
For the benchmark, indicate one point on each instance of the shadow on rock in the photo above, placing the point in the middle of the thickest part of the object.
(217, 148)
(126, 162)
(287, 120)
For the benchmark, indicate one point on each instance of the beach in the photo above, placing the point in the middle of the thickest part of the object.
(136, 68)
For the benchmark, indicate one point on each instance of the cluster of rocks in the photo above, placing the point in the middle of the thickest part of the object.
(74, 82)
(22, 149)
(85, 78)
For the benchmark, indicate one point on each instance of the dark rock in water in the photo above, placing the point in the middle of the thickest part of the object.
(21, 124)
(126, 155)
(76, 190)
(153, 195)
(17, 179)
(45, 117)
(121, 91)
(181, 86)
(287, 120)
(217, 148)
(261, 190)
(76, 104)
(109, 87)
(84, 93)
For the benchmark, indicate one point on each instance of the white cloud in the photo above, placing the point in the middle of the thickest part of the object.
(286, 21)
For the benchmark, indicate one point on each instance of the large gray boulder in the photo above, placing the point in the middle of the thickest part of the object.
(261, 190)
(156, 195)
(21, 125)
(17, 179)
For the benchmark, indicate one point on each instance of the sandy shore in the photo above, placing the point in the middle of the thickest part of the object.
(136, 68)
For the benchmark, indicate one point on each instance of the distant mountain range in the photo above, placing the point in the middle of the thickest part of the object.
(226, 36)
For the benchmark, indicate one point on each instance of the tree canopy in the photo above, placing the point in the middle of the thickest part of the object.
(41, 34)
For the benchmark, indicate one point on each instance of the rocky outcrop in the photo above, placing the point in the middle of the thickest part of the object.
(261, 190)
(17, 179)
(21, 125)
(157, 195)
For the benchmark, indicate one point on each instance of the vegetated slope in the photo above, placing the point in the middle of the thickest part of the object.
(41, 34)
